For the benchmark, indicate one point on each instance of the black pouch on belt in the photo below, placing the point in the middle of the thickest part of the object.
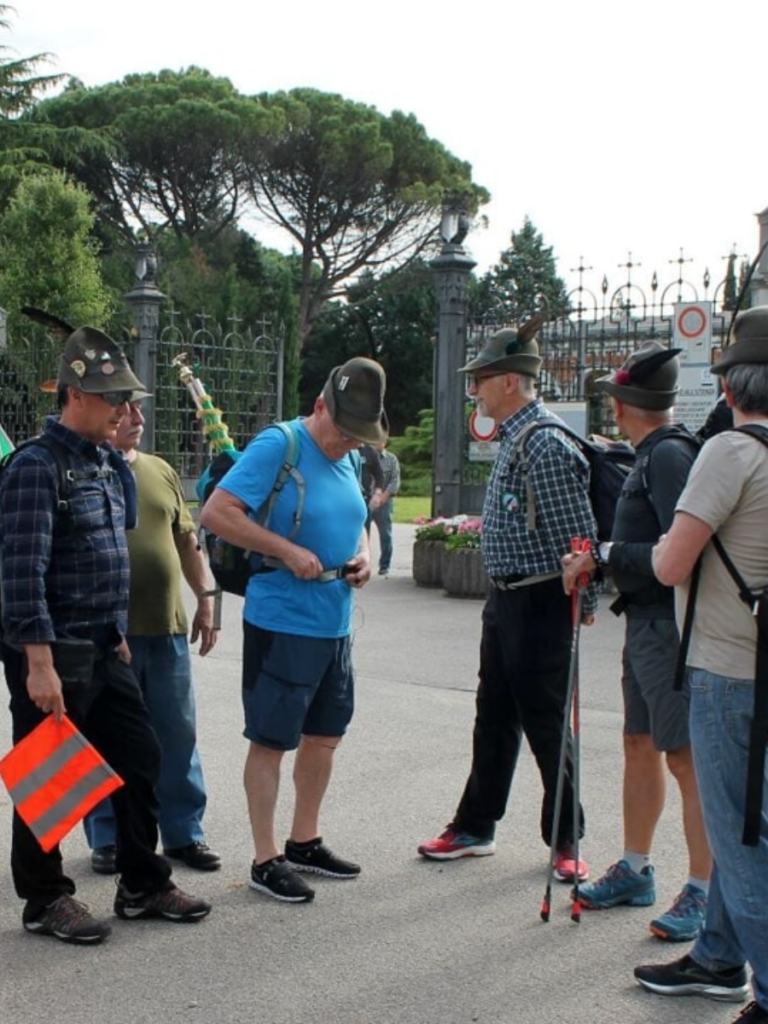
(74, 660)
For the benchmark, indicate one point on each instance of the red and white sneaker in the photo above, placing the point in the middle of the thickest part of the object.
(565, 865)
(452, 844)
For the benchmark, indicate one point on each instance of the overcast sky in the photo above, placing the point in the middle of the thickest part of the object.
(617, 128)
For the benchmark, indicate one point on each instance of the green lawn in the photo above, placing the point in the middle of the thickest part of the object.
(407, 509)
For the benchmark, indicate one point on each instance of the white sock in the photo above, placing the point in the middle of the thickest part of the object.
(637, 861)
(700, 883)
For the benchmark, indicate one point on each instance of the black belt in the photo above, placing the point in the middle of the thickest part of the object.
(507, 582)
(517, 580)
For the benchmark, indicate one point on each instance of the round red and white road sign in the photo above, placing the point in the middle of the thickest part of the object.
(692, 321)
(482, 428)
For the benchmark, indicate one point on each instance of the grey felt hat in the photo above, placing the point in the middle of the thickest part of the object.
(510, 350)
(648, 378)
(354, 396)
(94, 363)
(747, 341)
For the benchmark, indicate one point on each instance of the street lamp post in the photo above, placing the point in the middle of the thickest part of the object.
(452, 268)
(144, 301)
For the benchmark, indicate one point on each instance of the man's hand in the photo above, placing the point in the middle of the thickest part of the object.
(43, 683)
(574, 566)
(302, 562)
(359, 570)
(202, 625)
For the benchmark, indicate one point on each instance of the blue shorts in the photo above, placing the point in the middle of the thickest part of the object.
(294, 685)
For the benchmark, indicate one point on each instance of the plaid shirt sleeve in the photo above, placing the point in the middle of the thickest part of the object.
(560, 479)
(391, 466)
(28, 509)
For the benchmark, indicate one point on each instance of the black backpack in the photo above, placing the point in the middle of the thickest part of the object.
(610, 463)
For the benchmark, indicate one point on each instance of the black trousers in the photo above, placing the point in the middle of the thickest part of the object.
(112, 715)
(524, 659)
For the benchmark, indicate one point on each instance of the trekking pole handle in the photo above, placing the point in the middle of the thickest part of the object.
(581, 547)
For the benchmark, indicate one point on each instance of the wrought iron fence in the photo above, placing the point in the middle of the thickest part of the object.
(242, 370)
(602, 328)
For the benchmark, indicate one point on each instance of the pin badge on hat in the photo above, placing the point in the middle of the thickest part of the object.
(107, 369)
(78, 367)
(341, 384)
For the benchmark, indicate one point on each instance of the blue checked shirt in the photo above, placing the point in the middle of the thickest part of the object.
(56, 577)
(560, 477)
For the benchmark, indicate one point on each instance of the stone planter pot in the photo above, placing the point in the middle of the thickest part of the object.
(428, 563)
(464, 573)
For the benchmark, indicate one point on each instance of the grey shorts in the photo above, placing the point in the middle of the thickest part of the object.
(294, 686)
(651, 704)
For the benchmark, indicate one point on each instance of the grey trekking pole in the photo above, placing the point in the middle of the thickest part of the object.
(571, 704)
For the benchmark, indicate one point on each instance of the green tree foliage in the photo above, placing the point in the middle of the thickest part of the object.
(353, 188)
(49, 259)
(524, 282)
(21, 85)
(389, 318)
(730, 290)
(174, 160)
(414, 451)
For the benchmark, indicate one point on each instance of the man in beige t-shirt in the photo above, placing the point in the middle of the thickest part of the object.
(727, 495)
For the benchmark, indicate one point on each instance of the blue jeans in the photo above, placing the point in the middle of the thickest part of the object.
(162, 666)
(383, 519)
(737, 910)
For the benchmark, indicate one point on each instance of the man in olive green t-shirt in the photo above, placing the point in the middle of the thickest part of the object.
(162, 547)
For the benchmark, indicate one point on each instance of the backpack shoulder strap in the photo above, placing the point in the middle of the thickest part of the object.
(288, 470)
(755, 430)
(520, 459)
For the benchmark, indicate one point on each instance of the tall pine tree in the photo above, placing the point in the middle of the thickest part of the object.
(524, 282)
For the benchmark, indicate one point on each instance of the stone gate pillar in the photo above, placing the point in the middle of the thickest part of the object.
(452, 268)
(144, 301)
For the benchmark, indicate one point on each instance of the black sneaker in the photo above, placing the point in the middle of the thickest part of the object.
(753, 1013)
(170, 903)
(685, 977)
(316, 858)
(276, 879)
(103, 860)
(197, 855)
(68, 920)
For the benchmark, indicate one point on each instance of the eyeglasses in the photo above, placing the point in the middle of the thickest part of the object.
(474, 379)
(116, 398)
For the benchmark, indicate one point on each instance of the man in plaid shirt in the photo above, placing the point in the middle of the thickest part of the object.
(65, 578)
(527, 626)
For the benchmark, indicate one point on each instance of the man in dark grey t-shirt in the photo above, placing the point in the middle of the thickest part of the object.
(655, 713)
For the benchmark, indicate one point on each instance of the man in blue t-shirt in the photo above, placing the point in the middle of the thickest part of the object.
(298, 682)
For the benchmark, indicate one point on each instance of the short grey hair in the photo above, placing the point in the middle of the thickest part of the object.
(527, 385)
(749, 385)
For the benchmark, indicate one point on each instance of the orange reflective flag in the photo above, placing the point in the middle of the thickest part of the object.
(54, 777)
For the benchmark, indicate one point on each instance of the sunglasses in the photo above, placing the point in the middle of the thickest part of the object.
(116, 398)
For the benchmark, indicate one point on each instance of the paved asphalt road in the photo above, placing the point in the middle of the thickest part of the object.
(410, 942)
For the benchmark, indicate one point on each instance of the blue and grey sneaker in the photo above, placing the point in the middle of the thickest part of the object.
(684, 919)
(620, 884)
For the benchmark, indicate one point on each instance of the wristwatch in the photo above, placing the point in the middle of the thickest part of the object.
(601, 553)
